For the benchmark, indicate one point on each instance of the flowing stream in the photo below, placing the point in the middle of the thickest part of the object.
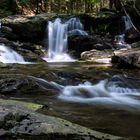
(109, 91)
(98, 97)
(58, 32)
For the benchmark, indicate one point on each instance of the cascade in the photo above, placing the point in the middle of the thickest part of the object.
(0, 27)
(58, 36)
(114, 91)
(106, 92)
(128, 22)
(8, 55)
(119, 39)
(75, 27)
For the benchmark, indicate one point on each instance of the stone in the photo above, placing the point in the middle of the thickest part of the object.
(19, 84)
(28, 28)
(8, 33)
(100, 56)
(85, 43)
(34, 124)
(127, 58)
(31, 52)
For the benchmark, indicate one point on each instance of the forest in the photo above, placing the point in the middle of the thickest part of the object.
(63, 6)
(69, 69)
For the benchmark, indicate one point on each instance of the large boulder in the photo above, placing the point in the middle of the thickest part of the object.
(85, 43)
(21, 84)
(19, 122)
(127, 58)
(27, 28)
(31, 52)
(100, 56)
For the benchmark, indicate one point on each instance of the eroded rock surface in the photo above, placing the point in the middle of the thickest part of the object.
(20, 122)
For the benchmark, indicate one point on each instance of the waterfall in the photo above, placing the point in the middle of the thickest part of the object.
(119, 39)
(58, 36)
(8, 55)
(75, 27)
(0, 27)
(128, 23)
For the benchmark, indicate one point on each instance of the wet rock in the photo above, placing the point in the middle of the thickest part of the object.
(8, 33)
(19, 84)
(30, 52)
(30, 29)
(86, 43)
(34, 124)
(136, 44)
(103, 56)
(127, 58)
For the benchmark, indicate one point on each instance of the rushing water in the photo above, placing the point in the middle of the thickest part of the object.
(119, 39)
(104, 92)
(110, 91)
(75, 27)
(8, 55)
(97, 97)
(128, 22)
(57, 39)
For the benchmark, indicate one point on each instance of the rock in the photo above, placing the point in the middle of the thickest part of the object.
(32, 125)
(102, 24)
(20, 84)
(29, 29)
(136, 44)
(28, 105)
(86, 43)
(103, 56)
(8, 33)
(31, 52)
(127, 58)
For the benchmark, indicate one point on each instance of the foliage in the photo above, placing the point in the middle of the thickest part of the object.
(23, 2)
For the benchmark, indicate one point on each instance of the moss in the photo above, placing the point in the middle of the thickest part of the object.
(28, 105)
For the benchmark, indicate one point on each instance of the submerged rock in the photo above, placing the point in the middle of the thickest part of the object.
(20, 122)
(127, 58)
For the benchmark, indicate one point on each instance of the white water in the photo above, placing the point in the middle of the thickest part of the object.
(128, 22)
(58, 38)
(75, 27)
(104, 92)
(0, 27)
(8, 55)
(119, 39)
(113, 92)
